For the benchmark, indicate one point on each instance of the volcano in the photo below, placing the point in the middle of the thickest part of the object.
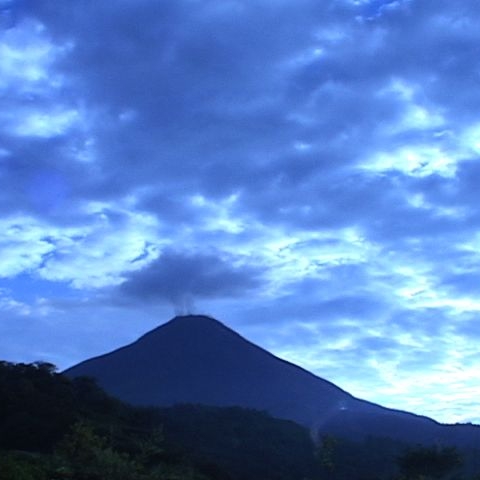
(196, 359)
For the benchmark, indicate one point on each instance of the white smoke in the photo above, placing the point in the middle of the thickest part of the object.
(184, 305)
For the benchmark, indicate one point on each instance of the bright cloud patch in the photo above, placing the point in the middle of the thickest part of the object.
(93, 255)
(41, 124)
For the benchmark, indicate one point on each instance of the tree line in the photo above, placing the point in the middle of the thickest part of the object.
(56, 428)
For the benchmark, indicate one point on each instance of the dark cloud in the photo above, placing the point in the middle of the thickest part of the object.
(182, 278)
(197, 120)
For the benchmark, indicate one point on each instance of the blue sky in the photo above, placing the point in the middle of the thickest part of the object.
(306, 172)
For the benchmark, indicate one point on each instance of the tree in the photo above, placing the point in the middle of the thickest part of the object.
(326, 452)
(37, 406)
(83, 455)
(429, 462)
(21, 467)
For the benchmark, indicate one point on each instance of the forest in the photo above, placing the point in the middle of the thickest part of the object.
(56, 428)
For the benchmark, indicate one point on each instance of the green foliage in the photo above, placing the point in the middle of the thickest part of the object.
(84, 455)
(326, 452)
(15, 466)
(94, 436)
(36, 406)
(239, 443)
(39, 406)
(429, 462)
(369, 459)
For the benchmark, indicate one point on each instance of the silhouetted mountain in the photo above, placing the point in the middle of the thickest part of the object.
(196, 359)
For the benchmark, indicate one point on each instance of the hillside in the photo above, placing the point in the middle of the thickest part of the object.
(54, 428)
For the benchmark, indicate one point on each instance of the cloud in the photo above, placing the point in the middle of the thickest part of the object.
(182, 278)
(310, 156)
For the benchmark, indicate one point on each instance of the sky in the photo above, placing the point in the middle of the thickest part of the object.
(305, 171)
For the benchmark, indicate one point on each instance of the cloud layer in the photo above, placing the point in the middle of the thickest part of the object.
(305, 171)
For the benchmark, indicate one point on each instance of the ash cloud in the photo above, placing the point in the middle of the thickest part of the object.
(183, 278)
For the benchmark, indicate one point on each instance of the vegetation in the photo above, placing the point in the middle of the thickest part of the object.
(429, 462)
(56, 428)
(245, 443)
